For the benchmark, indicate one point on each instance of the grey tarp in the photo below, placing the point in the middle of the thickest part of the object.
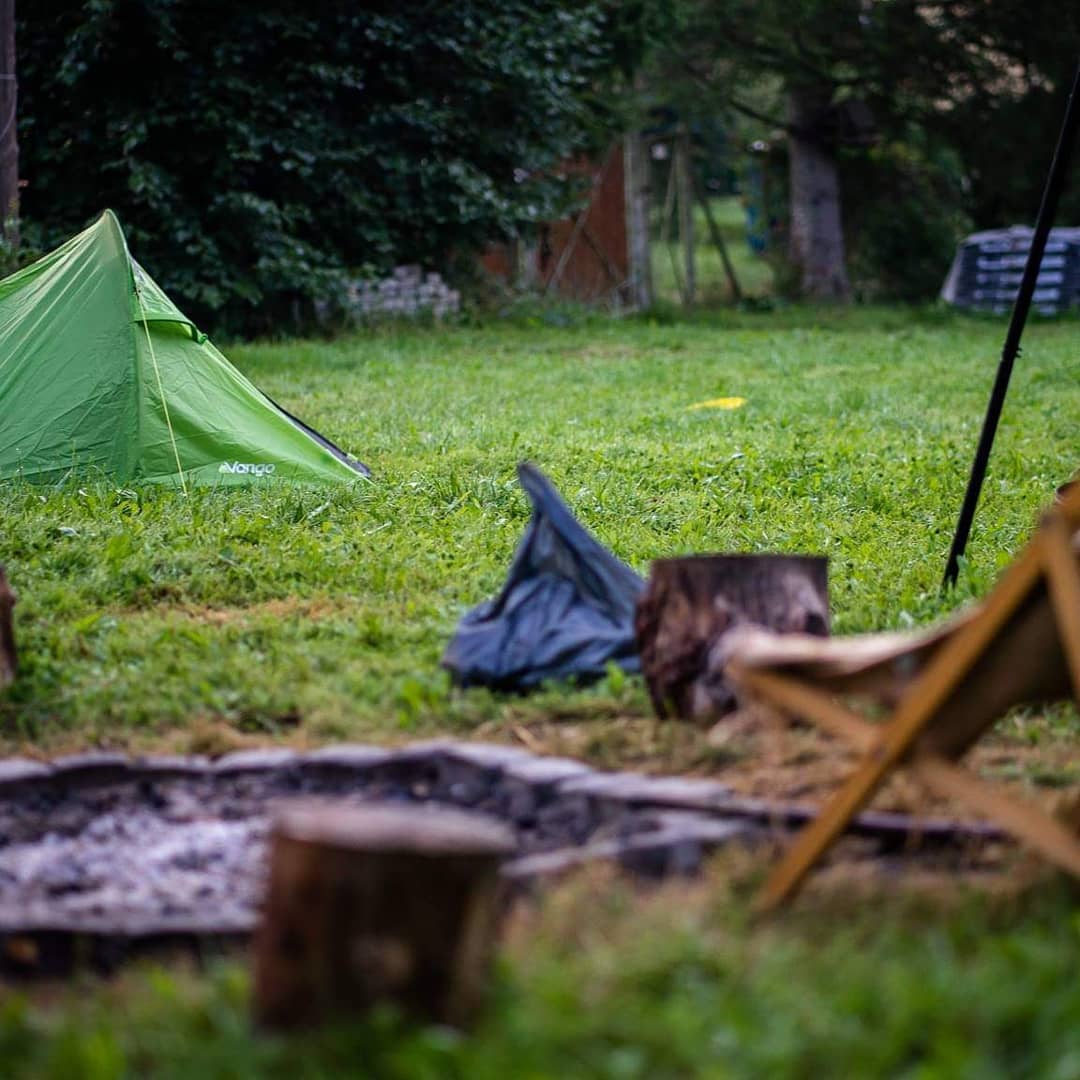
(565, 611)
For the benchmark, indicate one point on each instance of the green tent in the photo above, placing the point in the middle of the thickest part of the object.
(100, 373)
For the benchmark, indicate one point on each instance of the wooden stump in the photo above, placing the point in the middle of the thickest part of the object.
(381, 903)
(690, 603)
(7, 632)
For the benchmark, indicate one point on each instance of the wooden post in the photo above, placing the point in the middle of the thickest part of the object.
(377, 903)
(7, 632)
(688, 606)
(9, 146)
(603, 259)
(636, 187)
(718, 240)
(685, 182)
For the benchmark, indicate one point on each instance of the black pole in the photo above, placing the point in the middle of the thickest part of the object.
(1055, 181)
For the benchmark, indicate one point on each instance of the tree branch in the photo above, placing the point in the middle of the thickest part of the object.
(753, 113)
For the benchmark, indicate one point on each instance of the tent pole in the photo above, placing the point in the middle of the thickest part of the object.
(1055, 181)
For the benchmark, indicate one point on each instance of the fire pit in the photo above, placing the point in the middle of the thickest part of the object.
(103, 856)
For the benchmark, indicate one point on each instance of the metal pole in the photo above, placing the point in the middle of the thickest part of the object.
(1055, 181)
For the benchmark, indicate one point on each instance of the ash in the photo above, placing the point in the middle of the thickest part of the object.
(107, 849)
(127, 866)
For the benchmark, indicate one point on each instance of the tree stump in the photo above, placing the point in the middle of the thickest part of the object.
(7, 632)
(378, 903)
(690, 603)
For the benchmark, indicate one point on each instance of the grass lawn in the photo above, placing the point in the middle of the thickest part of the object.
(753, 272)
(147, 620)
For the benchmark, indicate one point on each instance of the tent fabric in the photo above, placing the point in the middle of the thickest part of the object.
(566, 609)
(100, 373)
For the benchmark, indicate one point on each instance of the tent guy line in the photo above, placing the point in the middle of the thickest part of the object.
(161, 389)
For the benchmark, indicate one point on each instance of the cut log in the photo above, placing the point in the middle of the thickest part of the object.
(377, 904)
(7, 632)
(689, 605)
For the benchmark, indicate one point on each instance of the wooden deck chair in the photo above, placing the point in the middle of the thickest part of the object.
(943, 688)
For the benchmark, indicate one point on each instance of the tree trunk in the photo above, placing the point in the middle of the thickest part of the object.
(370, 904)
(690, 603)
(817, 233)
(9, 147)
(636, 180)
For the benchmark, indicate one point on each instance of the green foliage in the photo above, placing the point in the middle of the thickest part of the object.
(965, 102)
(323, 613)
(903, 217)
(1007, 142)
(14, 257)
(615, 987)
(255, 152)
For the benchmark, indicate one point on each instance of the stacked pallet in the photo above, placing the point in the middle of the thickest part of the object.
(986, 272)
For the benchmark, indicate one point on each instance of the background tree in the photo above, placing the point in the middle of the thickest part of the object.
(900, 118)
(256, 151)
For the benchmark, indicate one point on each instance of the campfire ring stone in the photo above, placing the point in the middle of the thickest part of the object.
(103, 856)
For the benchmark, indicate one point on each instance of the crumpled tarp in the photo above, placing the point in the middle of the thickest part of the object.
(566, 610)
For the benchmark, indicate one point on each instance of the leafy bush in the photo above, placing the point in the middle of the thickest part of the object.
(903, 215)
(256, 150)
(903, 218)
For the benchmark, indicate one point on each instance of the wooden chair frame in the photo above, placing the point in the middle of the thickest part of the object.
(885, 747)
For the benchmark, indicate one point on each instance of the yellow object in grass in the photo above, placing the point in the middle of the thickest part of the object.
(719, 403)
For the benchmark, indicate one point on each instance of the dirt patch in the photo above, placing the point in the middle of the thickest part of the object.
(312, 609)
(765, 759)
(603, 352)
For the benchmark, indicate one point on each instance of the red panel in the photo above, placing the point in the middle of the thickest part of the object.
(598, 264)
